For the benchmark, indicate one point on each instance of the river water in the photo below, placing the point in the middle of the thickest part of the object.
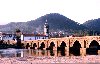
(30, 52)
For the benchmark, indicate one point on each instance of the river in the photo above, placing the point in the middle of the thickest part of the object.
(30, 52)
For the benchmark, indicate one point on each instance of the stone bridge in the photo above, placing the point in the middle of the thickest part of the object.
(84, 42)
(70, 41)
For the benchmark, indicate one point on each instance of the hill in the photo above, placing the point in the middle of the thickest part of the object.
(93, 25)
(57, 22)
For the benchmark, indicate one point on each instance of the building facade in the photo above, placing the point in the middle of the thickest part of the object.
(23, 37)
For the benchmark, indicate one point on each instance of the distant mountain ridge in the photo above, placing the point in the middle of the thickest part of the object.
(56, 21)
(93, 25)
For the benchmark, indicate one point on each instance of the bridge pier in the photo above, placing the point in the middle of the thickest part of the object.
(83, 51)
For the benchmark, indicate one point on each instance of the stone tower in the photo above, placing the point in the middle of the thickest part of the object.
(46, 29)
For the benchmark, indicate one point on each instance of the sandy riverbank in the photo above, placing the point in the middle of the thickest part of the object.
(34, 60)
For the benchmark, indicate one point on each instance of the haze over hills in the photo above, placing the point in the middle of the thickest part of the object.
(56, 21)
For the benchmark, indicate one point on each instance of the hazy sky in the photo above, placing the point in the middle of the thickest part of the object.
(26, 10)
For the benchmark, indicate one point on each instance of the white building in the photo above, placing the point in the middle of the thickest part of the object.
(23, 37)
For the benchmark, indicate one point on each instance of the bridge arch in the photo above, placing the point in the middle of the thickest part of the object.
(77, 44)
(76, 47)
(94, 43)
(51, 46)
(52, 43)
(63, 43)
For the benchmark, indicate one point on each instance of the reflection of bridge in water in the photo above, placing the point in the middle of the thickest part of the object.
(34, 53)
(27, 53)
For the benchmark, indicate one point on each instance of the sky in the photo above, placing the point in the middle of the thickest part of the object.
(26, 10)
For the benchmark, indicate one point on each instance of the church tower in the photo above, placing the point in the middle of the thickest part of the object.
(46, 29)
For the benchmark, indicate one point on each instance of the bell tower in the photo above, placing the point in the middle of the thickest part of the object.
(46, 29)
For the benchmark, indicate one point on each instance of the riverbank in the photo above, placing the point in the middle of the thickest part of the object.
(49, 59)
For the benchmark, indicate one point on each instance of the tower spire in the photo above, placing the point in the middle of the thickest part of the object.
(46, 28)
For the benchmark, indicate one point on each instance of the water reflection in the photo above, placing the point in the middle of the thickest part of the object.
(43, 52)
(34, 52)
(31, 52)
(52, 53)
(11, 53)
(92, 51)
(75, 51)
(62, 53)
